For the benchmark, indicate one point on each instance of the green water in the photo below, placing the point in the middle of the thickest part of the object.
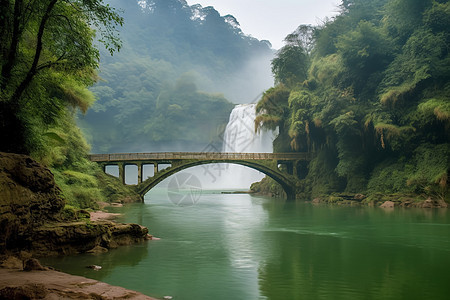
(244, 247)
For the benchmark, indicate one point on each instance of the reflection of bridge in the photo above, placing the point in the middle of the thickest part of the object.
(267, 163)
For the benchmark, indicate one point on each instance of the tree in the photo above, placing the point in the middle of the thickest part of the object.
(42, 44)
(291, 63)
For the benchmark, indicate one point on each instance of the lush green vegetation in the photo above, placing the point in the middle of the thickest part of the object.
(369, 93)
(166, 89)
(48, 59)
(151, 93)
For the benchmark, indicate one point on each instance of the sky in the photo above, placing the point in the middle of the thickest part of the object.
(273, 20)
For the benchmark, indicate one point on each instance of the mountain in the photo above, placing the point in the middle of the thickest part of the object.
(173, 83)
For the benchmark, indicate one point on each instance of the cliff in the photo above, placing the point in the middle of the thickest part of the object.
(31, 216)
(28, 199)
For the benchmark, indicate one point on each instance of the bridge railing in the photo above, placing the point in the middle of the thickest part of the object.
(116, 157)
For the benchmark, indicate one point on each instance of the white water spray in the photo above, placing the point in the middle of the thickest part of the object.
(240, 137)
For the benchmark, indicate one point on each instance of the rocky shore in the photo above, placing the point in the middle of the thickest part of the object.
(15, 283)
(35, 223)
(383, 201)
(33, 219)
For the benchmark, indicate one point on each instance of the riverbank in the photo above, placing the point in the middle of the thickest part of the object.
(383, 201)
(34, 216)
(269, 188)
(50, 284)
(236, 246)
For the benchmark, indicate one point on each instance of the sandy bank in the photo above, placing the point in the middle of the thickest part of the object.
(101, 215)
(57, 285)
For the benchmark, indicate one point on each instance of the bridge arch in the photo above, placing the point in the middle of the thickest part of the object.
(285, 182)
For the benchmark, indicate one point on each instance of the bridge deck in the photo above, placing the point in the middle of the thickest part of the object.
(118, 157)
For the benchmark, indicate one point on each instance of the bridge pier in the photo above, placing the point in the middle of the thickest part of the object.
(290, 193)
(140, 175)
(121, 172)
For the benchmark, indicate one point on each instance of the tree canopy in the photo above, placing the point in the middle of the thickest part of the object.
(47, 59)
(171, 86)
(371, 99)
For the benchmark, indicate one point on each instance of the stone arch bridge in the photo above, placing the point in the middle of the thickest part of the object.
(282, 167)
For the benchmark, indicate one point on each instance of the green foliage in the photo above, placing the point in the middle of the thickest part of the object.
(422, 58)
(403, 16)
(440, 108)
(291, 65)
(72, 213)
(272, 108)
(267, 186)
(391, 177)
(158, 94)
(78, 189)
(113, 190)
(425, 174)
(327, 70)
(322, 178)
(365, 52)
(272, 111)
(374, 107)
(432, 167)
(47, 59)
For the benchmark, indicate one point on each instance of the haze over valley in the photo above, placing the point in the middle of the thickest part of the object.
(175, 80)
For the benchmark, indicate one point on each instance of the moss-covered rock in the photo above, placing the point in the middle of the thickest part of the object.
(80, 237)
(33, 215)
(28, 198)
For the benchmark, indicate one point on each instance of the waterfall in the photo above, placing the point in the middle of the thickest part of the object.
(240, 136)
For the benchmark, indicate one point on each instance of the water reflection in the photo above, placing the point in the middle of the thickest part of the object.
(355, 253)
(125, 256)
(244, 247)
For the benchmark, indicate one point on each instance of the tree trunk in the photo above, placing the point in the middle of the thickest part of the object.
(37, 55)
(12, 130)
(13, 44)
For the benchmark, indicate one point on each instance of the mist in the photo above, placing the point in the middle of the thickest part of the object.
(246, 84)
(175, 81)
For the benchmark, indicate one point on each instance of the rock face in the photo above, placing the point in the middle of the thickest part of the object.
(28, 198)
(388, 204)
(80, 237)
(17, 284)
(429, 203)
(30, 206)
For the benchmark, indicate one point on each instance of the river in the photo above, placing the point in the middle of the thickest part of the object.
(237, 246)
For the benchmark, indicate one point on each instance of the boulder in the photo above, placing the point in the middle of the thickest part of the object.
(429, 203)
(12, 262)
(80, 237)
(33, 264)
(26, 291)
(30, 206)
(316, 201)
(359, 197)
(388, 204)
(29, 197)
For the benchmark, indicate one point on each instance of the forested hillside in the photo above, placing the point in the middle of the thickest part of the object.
(161, 91)
(171, 85)
(368, 93)
(48, 60)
